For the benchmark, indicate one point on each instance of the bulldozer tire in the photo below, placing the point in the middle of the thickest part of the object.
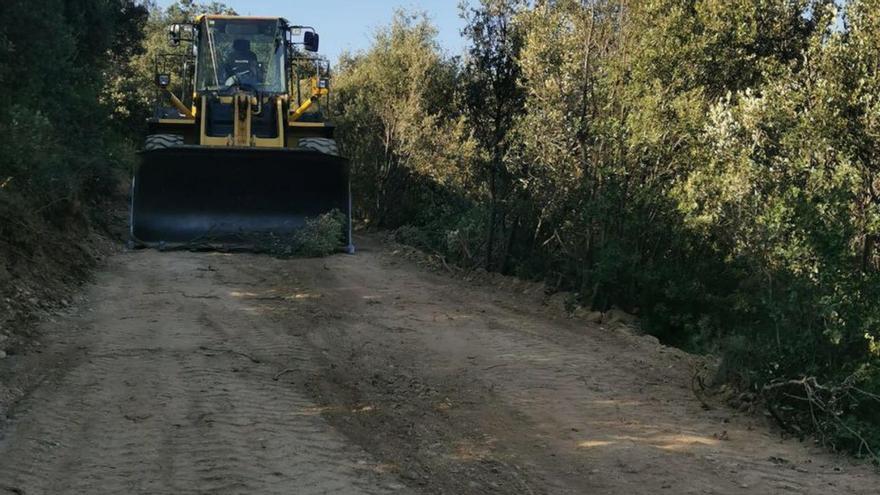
(162, 141)
(321, 145)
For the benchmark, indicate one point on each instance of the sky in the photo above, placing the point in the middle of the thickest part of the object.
(349, 24)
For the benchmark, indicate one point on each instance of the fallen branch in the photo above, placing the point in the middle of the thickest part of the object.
(697, 381)
(824, 404)
(445, 265)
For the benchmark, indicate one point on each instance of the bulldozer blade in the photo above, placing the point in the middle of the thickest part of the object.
(230, 196)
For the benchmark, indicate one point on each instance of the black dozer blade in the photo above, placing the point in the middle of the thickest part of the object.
(188, 195)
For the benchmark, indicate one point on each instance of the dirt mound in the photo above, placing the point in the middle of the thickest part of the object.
(42, 263)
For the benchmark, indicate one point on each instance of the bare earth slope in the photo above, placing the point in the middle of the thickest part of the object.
(218, 373)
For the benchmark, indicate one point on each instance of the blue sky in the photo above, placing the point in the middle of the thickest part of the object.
(349, 24)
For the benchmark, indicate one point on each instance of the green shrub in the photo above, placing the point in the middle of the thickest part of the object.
(321, 236)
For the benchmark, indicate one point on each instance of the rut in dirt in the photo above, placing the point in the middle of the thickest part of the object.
(218, 373)
(173, 392)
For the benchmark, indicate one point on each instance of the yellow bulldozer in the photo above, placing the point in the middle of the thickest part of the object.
(239, 146)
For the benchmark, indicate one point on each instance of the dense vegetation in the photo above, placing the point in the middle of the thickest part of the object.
(76, 78)
(61, 144)
(711, 165)
(58, 141)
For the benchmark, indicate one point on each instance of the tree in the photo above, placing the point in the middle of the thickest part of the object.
(493, 98)
(56, 143)
(393, 108)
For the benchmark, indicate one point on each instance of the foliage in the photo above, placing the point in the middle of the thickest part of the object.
(320, 236)
(493, 100)
(396, 113)
(323, 235)
(710, 165)
(56, 147)
(60, 151)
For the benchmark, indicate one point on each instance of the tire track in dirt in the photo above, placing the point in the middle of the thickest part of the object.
(174, 393)
(530, 402)
(213, 373)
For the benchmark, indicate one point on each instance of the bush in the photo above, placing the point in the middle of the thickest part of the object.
(322, 236)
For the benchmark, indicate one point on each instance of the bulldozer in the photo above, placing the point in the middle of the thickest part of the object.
(239, 146)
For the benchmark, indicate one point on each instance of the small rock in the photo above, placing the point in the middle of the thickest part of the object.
(2, 354)
(722, 436)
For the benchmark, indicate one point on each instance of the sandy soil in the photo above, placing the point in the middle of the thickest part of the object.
(234, 373)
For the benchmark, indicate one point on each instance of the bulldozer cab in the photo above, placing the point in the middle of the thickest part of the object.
(245, 53)
(239, 147)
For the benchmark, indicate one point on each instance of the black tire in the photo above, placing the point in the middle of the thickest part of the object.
(162, 141)
(321, 145)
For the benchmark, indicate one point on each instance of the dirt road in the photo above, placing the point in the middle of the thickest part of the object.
(235, 373)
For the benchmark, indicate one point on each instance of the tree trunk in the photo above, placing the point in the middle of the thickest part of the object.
(493, 214)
